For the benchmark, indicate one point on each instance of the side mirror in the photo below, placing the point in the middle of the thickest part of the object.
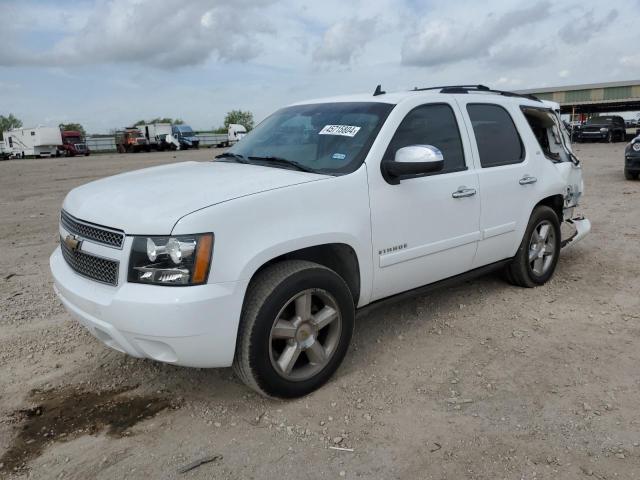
(413, 160)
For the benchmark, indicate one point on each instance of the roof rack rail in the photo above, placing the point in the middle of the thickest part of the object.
(477, 88)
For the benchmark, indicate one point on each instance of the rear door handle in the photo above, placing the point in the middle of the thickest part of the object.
(527, 180)
(464, 192)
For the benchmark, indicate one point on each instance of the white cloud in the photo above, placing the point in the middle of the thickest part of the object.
(445, 41)
(580, 30)
(345, 40)
(631, 61)
(106, 63)
(159, 33)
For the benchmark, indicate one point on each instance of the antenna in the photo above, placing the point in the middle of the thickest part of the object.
(378, 91)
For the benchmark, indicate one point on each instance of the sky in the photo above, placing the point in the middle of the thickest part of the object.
(108, 63)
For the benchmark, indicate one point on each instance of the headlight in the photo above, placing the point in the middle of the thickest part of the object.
(604, 130)
(175, 260)
(636, 146)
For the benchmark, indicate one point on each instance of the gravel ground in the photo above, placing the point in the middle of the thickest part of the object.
(480, 381)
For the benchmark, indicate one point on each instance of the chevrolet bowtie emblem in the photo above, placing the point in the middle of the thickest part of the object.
(72, 243)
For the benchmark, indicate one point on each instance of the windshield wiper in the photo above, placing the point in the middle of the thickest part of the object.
(285, 161)
(235, 156)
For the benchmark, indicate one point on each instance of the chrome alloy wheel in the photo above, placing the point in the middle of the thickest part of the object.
(542, 248)
(305, 335)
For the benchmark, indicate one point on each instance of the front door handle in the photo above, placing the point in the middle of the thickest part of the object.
(527, 180)
(464, 192)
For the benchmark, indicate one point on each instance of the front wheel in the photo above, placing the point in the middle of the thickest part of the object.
(630, 175)
(296, 325)
(537, 257)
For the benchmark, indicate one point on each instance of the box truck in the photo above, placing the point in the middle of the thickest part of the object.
(159, 136)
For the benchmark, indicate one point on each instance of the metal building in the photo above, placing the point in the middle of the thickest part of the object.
(592, 98)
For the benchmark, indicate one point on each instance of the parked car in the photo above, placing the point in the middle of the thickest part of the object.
(5, 152)
(608, 128)
(632, 159)
(260, 259)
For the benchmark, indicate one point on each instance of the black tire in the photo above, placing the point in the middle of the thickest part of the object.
(630, 176)
(520, 272)
(267, 294)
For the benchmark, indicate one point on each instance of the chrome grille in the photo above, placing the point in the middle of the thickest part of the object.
(93, 233)
(96, 268)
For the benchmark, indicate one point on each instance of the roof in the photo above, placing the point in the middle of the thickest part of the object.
(395, 98)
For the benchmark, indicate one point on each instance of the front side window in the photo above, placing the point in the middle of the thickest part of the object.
(496, 135)
(330, 138)
(435, 125)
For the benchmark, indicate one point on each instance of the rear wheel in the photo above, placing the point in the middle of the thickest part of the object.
(295, 329)
(537, 257)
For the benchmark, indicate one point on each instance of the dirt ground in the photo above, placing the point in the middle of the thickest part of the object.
(480, 381)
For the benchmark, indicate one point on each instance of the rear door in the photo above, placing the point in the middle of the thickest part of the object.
(422, 230)
(508, 176)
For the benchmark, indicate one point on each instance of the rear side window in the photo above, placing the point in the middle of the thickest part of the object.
(498, 140)
(435, 125)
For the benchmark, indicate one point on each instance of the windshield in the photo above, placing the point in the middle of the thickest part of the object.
(599, 120)
(72, 139)
(185, 130)
(331, 138)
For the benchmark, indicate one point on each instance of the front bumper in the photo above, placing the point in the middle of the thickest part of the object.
(632, 163)
(593, 135)
(193, 326)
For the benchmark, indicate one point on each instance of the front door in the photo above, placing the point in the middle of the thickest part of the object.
(426, 228)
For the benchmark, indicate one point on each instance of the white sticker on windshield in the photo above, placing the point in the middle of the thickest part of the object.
(343, 130)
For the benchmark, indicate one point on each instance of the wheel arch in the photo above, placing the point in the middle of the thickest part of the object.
(339, 257)
(555, 202)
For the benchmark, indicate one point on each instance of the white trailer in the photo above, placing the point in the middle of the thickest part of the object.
(158, 134)
(39, 141)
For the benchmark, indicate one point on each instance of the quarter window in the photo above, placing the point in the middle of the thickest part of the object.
(496, 135)
(434, 125)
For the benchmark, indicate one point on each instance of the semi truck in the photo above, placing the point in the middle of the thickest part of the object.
(32, 142)
(73, 143)
(185, 136)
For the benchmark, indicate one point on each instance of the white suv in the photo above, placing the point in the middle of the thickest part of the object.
(261, 258)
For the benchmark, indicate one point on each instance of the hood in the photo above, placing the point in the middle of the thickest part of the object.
(152, 200)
